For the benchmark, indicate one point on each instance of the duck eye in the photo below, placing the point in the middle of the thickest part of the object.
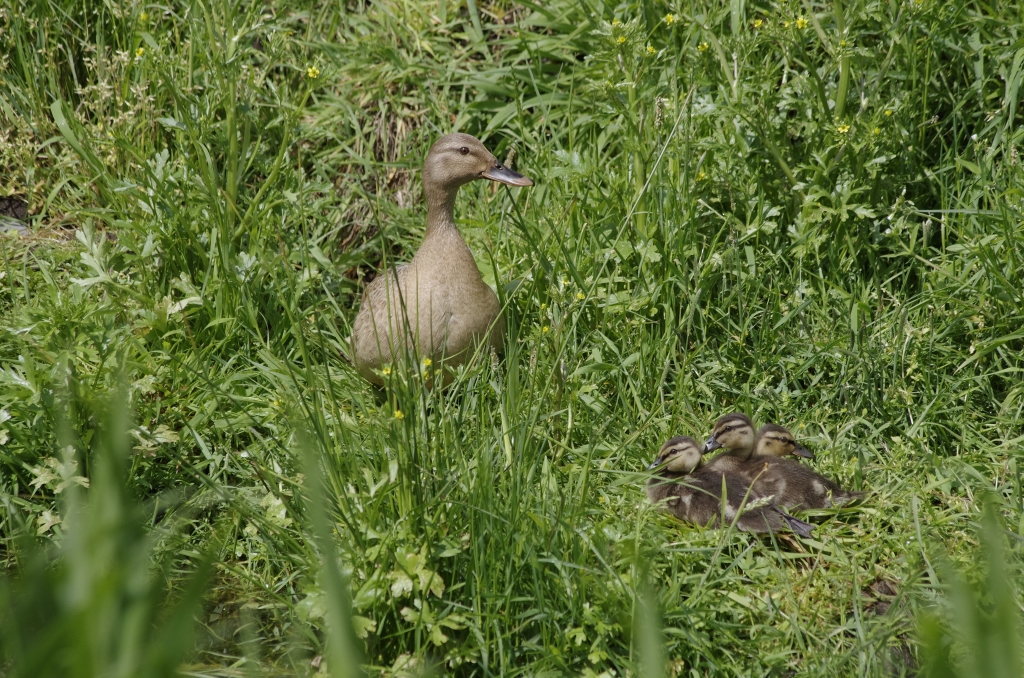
(464, 150)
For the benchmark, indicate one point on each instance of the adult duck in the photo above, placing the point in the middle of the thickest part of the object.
(437, 306)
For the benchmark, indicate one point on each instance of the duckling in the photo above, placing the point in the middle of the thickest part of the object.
(735, 434)
(696, 496)
(437, 306)
(791, 484)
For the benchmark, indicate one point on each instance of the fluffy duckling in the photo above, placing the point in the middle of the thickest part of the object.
(733, 433)
(791, 484)
(437, 305)
(696, 496)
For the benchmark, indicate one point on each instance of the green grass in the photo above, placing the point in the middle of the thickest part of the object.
(809, 212)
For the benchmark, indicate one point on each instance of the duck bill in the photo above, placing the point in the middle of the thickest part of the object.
(711, 444)
(504, 175)
(802, 451)
(655, 464)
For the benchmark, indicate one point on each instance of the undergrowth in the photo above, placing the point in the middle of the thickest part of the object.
(809, 212)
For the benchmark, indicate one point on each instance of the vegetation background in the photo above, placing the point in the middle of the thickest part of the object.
(807, 211)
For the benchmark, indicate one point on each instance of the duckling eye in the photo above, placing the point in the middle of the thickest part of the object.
(464, 150)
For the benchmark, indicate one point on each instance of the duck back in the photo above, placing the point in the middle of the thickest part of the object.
(697, 498)
(792, 485)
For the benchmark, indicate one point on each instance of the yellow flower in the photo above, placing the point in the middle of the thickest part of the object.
(842, 43)
(543, 307)
(139, 52)
(386, 371)
(312, 72)
(670, 19)
(621, 39)
(545, 329)
(888, 113)
(144, 16)
(701, 176)
(580, 296)
(651, 50)
(427, 362)
(758, 23)
(785, 24)
(877, 130)
(398, 414)
(843, 129)
(801, 23)
(702, 47)
(616, 22)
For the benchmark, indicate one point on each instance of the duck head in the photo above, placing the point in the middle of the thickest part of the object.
(776, 441)
(678, 455)
(734, 432)
(457, 159)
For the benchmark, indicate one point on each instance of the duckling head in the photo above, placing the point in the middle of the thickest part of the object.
(776, 441)
(734, 432)
(678, 455)
(457, 159)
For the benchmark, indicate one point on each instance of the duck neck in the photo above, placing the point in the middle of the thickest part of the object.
(440, 209)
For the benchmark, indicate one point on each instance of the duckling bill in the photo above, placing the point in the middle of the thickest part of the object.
(695, 496)
(437, 306)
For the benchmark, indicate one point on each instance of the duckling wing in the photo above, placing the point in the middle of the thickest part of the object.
(697, 499)
(661, 490)
(689, 498)
(795, 486)
(758, 511)
(750, 513)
